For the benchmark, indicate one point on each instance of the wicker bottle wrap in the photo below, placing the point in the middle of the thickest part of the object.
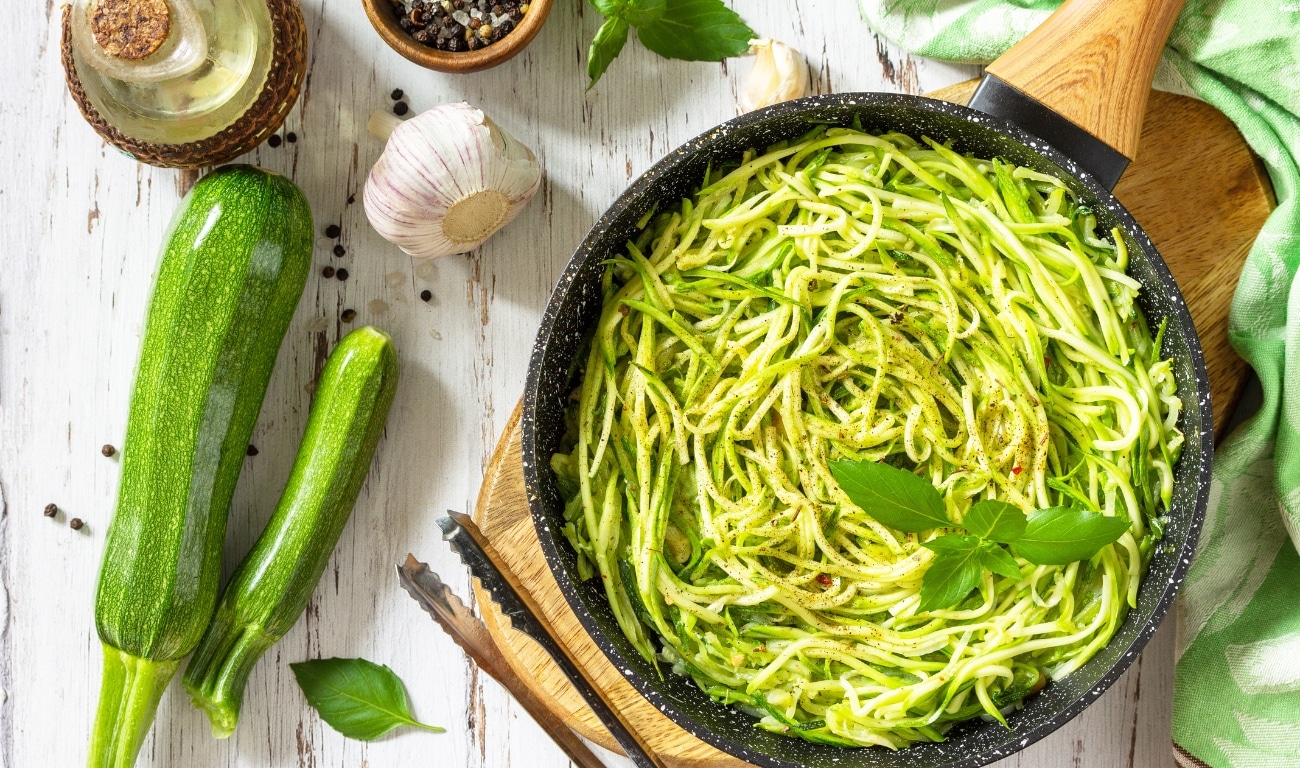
(283, 82)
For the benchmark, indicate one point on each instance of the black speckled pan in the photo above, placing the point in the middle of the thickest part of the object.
(575, 307)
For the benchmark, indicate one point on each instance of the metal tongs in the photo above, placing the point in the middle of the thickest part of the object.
(487, 565)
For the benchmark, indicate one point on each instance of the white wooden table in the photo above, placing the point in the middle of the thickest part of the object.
(81, 231)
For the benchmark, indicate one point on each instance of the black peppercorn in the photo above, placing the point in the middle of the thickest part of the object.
(339, 250)
(475, 23)
(400, 108)
(473, 43)
(453, 44)
(327, 272)
(421, 36)
(497, 10)
(405, 23)
(352, 199)
(396, 94)
(333, 231)
(51, 510)
(108, 450)
(342, 274)
(291, 137)
(348, 315)
(274, 140)
(440, 44)
(75, 523)
(426, 295)
(252, 450)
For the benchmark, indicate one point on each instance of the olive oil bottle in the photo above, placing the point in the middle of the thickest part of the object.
(172, 71)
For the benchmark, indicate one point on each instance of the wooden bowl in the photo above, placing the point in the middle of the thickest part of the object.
(384, 18)
(283, 82)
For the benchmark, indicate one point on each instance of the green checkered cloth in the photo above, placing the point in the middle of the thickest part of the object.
(1237, 692)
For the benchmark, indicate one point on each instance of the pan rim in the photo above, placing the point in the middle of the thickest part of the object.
(1178, 312)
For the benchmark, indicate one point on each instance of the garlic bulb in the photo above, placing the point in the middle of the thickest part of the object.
(447, 180)
(780, 73)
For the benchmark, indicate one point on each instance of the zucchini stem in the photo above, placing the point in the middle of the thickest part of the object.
(128, 700)
(219, 669)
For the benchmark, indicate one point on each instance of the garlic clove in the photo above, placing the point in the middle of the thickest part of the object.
(448, 179)
(780, 73)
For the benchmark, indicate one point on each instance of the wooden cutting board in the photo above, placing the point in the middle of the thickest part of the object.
(1203, 231)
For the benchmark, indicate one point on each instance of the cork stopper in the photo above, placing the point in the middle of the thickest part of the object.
(130, 29)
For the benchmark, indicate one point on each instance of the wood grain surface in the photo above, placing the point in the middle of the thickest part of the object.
(1203, 233)
(1092, 62)
(81, 230)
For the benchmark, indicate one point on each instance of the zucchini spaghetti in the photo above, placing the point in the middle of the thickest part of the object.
(861, 297)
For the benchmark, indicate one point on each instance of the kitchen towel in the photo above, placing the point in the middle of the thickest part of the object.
(1237, 686)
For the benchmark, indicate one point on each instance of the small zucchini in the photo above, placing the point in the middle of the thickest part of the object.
(232, 270)
(271, 587)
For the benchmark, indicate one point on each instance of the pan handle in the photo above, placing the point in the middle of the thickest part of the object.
(1092, 62)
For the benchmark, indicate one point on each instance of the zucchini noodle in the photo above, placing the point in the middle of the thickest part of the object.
(850, 296)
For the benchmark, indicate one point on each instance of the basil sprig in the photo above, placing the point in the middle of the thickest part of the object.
(693, 30)
(909, 503)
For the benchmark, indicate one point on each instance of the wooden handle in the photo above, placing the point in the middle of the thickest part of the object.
(1092, 62)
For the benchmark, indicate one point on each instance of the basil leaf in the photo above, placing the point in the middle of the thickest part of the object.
(995, 520)
(953, 573)
(358, 698)
(642, 13)
(697, 30)
(609, 8)
(996, 559)
(893, 496)
(607, 44)
(1062, 535)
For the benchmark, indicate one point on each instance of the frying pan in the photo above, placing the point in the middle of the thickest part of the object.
(1066, 101)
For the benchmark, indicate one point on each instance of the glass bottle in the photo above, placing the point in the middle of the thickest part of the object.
(172, 71)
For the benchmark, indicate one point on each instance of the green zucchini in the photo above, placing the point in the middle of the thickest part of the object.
(271, 587)
(232, 270)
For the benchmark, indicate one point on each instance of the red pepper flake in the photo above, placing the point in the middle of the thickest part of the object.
(1047, 361)
(1016, 470)
(824, 580)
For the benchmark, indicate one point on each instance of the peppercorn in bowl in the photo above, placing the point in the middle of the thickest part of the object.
(457, 35)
